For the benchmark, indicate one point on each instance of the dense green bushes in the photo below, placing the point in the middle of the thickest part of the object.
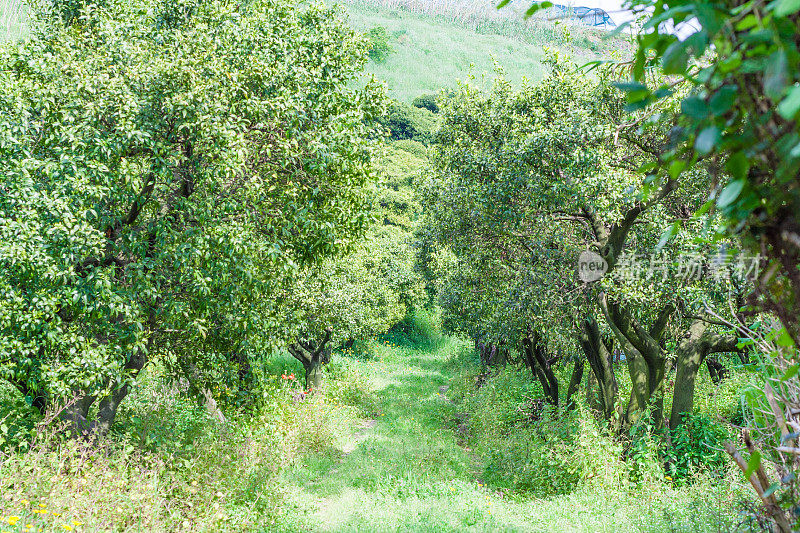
(167, 466)
(531, 448)
(409, 122)
(379, 47)
(426, 101)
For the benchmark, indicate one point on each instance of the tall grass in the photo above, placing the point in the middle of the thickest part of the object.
(13, 14)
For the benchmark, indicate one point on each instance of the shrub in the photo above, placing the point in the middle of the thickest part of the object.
(697, 447)
(426, 101)
(379, 47)
(407, 122)
(414, 148)
(539, 458)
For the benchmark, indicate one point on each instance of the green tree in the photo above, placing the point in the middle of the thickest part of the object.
(740, 73)
(525, 180)
(163, 181)
(364, 293)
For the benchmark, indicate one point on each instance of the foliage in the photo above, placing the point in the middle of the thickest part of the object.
(426, 101)
(742, 69)
(740, 109)
(364, 293)
(408, 122)
(697, 447)
(150, 208)
(379, 47)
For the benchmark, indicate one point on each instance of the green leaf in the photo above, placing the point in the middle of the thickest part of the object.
(668, 235)
(784, 339)
(730, 193)
(738, 165)
(791, 372)
(707, 140)
(695, 107)
(675, 58)
(722, 101)
(503, 4)
(776, 74)
(536, 7)
(790, 105)
(782, 8)
(676, 167)
(752, 464)
(703, 210)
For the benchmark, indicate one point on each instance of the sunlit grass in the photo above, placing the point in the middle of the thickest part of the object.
(409, 472)
(432, 51)
(13, 14)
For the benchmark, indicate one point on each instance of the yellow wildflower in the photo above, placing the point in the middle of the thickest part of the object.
(42, 505)
(12, 520)
(24, 502)
(39, 511)
(76, 523)
(68, 528)
(56, 514)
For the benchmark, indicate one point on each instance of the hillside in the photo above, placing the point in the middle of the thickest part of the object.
(432, 48)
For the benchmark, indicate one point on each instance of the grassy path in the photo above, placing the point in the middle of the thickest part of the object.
(405, 470)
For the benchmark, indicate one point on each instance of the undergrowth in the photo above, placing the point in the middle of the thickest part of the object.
(168, 467)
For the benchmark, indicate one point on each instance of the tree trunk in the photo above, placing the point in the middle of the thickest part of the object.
(312, 359)
(574, 382)
(599, 353)
(536, 354)
(591, 398)
(76, 413)
(691, 353)
(646, 360)
(109, 405)
(716, 370)
(314, 374)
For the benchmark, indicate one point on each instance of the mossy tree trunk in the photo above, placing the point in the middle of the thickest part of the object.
(646, 360)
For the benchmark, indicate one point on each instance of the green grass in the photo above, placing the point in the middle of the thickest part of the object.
(13, 14)
(413, 472)
(431, 51)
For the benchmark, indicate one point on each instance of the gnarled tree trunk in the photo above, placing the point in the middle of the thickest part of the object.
(646, 359)
(691, 353)
(312, 358)
(599, 352)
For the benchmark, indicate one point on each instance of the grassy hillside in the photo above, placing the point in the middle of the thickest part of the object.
(12, 15)
(431, 50)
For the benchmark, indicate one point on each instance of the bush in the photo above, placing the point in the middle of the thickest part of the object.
(426, 101)
(415, 148)
(697, 447)
(379, 47)
(407, 122)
